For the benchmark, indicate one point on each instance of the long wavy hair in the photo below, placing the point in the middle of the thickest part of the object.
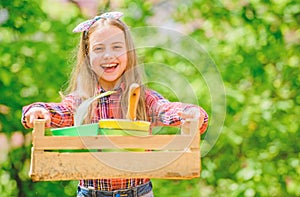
(84, 81)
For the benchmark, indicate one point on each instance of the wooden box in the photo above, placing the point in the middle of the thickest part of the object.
(164, 156)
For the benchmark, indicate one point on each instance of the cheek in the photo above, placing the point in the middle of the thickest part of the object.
(94, 60)
(123, 58)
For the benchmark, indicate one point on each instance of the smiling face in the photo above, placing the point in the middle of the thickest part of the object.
(108, 55)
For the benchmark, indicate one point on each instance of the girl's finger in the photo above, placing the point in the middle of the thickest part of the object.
(32, 117)
(37, 114)
(47, 118)
(190, 114)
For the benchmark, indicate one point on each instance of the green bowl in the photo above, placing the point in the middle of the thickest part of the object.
(82, 130)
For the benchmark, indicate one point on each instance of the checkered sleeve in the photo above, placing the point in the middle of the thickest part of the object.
(165, 113)
(61, 113)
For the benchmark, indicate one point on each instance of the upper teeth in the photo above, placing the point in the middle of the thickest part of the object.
(108, 65)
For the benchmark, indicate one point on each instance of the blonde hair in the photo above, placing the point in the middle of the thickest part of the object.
(84, 81)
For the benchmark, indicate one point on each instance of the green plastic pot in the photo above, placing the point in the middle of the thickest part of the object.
(82, 130)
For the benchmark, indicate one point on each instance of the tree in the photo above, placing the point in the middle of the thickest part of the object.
(254, 44)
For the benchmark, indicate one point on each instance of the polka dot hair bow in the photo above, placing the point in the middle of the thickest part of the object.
(86, 25)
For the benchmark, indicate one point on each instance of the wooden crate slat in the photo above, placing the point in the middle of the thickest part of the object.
(50, 166)
(162, 142)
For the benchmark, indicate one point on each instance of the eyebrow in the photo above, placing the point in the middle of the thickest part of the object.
(118, 42)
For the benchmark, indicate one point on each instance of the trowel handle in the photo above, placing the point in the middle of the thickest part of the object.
(133, 99)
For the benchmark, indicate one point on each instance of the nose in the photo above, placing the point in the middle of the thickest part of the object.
(108, 54)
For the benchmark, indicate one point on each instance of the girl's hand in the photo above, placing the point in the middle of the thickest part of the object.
(36, 113)
(190, 116)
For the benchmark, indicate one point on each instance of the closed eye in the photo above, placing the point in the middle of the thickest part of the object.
(98, 49)
(117, 47)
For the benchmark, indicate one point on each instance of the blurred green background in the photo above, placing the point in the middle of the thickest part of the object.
(254, 44)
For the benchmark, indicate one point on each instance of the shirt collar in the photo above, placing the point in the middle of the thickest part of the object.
(119, 89)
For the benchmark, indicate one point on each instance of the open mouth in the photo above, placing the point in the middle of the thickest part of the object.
(109, 67)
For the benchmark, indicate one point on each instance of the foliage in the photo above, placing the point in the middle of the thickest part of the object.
(255, 45)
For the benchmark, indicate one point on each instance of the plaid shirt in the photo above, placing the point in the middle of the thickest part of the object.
(160, 112)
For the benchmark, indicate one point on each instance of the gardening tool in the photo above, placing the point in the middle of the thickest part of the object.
(130, 123)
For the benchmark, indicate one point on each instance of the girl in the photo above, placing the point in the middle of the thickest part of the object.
(106, 60)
